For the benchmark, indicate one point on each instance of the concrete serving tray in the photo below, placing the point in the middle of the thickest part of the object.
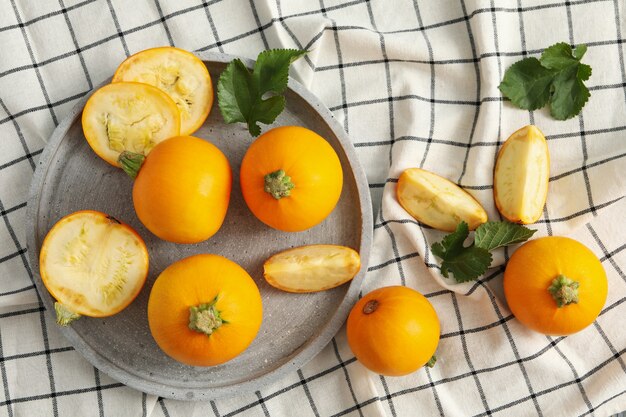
(70, 177)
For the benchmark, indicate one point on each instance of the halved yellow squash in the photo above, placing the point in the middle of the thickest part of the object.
(92, 264)
(128, 117)
(520, 183)
(312, 268)
(180, 74)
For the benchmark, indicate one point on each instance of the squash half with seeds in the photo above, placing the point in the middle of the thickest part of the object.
(93, 265)
(130, 117)
(179, 74)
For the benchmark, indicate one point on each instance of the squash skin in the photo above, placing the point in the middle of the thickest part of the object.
(530, 272)
(182, 191)
(399, 336)
(196, 280)
(313, 167)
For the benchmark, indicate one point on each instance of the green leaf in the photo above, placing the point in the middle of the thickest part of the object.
(527, 84)
(227, 85)
(579, 51)
(465, 263)
(558, 56)
(492, 235)
(242, 95)
(452, 244)
(272, 69)
(570, 94)
(557, 78)
(584, 72)
(471, 263)
(266, 111)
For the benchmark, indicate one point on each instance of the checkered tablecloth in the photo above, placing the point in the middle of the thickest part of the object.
(414, 83)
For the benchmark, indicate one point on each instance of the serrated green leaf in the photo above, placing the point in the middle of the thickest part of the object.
(493, 235)
(438, 250)
(570, 95)
(266, 111)
(558, 57)
(579, 51)
(465, 263)
(241, 93)
(272, 69)
(452, 244)
(454, 241)
(227, 85)
(557, 78)
(584, 72)
(527, 84)
(269, 109)
(468, 265)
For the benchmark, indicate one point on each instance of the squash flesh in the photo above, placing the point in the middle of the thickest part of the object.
(437, 202)
(92, 264)
(521, 176)
(178, 73)
(128, 117)
(312, 268)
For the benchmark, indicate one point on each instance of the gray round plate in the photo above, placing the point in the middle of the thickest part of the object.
(295, 327)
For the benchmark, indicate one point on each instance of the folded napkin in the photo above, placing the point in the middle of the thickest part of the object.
(414, 83)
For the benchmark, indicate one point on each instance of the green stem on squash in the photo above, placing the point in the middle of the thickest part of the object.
(131, 162)
(278, 184)
(204, 318)
(431, 361)
(65, 316)
(564, 290)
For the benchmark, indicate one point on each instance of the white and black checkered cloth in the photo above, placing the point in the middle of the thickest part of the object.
(415, 85)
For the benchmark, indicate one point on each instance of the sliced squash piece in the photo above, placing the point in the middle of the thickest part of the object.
(437, 202)
(312, 268)
(128, 117)
(520, 183)
(180, 74)
(92, 264)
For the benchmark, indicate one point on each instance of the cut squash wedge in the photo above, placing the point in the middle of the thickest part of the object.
(437, 202)
(180, 74)
(128, 117)
(93, 265)
(520, 183)
(312, 268)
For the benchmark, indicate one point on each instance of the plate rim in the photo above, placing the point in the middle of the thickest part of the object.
(300, 356)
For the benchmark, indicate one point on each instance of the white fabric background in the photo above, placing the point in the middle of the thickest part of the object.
(414, 83)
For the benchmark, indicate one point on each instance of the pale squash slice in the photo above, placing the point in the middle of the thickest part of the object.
(312, 268)
(437, 202)
(180, 74)
(93, 265)
(130, 117)
(520, 183)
